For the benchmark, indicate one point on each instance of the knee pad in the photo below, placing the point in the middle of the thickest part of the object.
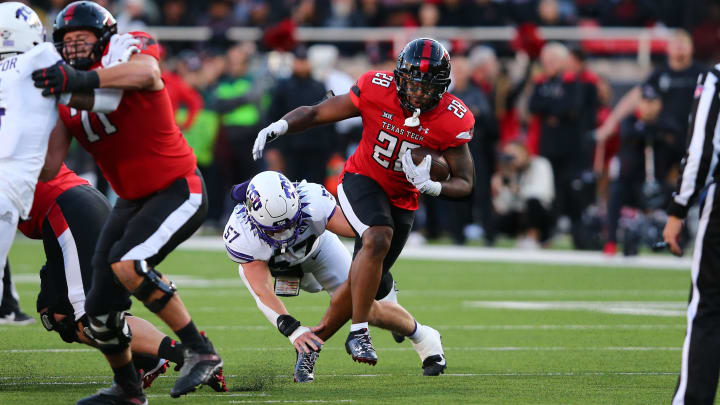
(110, 331)
(152, 280)
(66, 328)
(387, 287)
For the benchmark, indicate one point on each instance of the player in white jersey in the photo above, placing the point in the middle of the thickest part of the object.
(288, 231)
(27, 117)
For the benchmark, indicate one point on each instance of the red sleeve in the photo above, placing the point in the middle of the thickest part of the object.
(148, 44)
(192, 100)
(360, 86)
(462, 132)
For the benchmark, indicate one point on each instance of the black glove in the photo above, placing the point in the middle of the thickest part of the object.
(63, 78)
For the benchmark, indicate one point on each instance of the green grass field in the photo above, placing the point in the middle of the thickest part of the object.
(513, 334)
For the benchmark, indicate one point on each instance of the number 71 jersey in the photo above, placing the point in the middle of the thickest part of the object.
(138, 147)
(385, 137)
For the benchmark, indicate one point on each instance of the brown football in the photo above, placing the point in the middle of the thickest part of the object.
(439, 169)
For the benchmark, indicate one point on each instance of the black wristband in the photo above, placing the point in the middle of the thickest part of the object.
(88, 80)
(677, 210)
(286, 324)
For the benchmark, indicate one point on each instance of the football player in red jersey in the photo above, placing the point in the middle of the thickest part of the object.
(162, 198)
(67, 214)
(380, 185)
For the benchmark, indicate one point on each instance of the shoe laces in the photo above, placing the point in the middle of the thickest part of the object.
(308, 362)
(365, 342)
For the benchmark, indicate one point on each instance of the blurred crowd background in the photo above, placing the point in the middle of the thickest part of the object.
(577, 140)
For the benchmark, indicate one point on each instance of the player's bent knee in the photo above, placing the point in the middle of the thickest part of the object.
(152, 281)
(62, 324)
(377, 240)
(110, 332)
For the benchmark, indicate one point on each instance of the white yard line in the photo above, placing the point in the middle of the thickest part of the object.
(661, 308)
(502, 255)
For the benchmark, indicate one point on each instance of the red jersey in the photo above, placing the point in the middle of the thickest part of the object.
(385, 137)
(138, 147)
(45, 195)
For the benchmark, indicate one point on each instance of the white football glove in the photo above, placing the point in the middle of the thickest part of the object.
(419, 175)
(267, 135)
(121, 47)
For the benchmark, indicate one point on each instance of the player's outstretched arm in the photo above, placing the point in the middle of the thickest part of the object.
(462, 170)
(141, 72)
(339, 225)
(331, 110)
(58, 146)
(256, 276)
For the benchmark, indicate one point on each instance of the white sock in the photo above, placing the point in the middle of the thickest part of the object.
(357, 326)
(417, 333)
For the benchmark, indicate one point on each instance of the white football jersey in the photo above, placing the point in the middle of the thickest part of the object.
(26, 120)
(243, 244)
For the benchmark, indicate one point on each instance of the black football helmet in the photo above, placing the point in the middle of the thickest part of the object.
(422, 74)
(84, 15)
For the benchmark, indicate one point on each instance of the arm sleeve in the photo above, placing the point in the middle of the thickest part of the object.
(271, 315)
(698, 165)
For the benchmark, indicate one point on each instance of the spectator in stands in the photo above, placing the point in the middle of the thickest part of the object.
(483, 146)
(343, 14)
(454, 13)
(132, 17)
(676, 82)
(642, 136)
(372, 13)
(219, 18)
(237, 100)
(174, 13)
(428, 14)
(555, 101)
(486, 13)
(305, 157)
(549, 14)
(323, 60)
(523, 193)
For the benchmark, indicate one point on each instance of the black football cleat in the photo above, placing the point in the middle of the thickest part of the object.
(150, 376)
(305, 367)
(197, 369)
(434, 365)
(115, 395)
(359, 346)
(217, 382)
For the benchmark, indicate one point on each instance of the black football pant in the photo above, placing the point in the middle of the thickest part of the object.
(701, 350)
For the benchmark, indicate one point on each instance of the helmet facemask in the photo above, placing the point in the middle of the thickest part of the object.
(281, 235)
(78, 53)
(416, 91)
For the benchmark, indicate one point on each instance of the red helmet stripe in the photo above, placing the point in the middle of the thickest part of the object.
(426, 53)
(69, 13)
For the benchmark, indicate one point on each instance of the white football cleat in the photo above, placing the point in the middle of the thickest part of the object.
(430, 350)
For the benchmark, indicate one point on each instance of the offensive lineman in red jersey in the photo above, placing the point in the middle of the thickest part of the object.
(67, 214)
(162, 198)
(380, 184)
